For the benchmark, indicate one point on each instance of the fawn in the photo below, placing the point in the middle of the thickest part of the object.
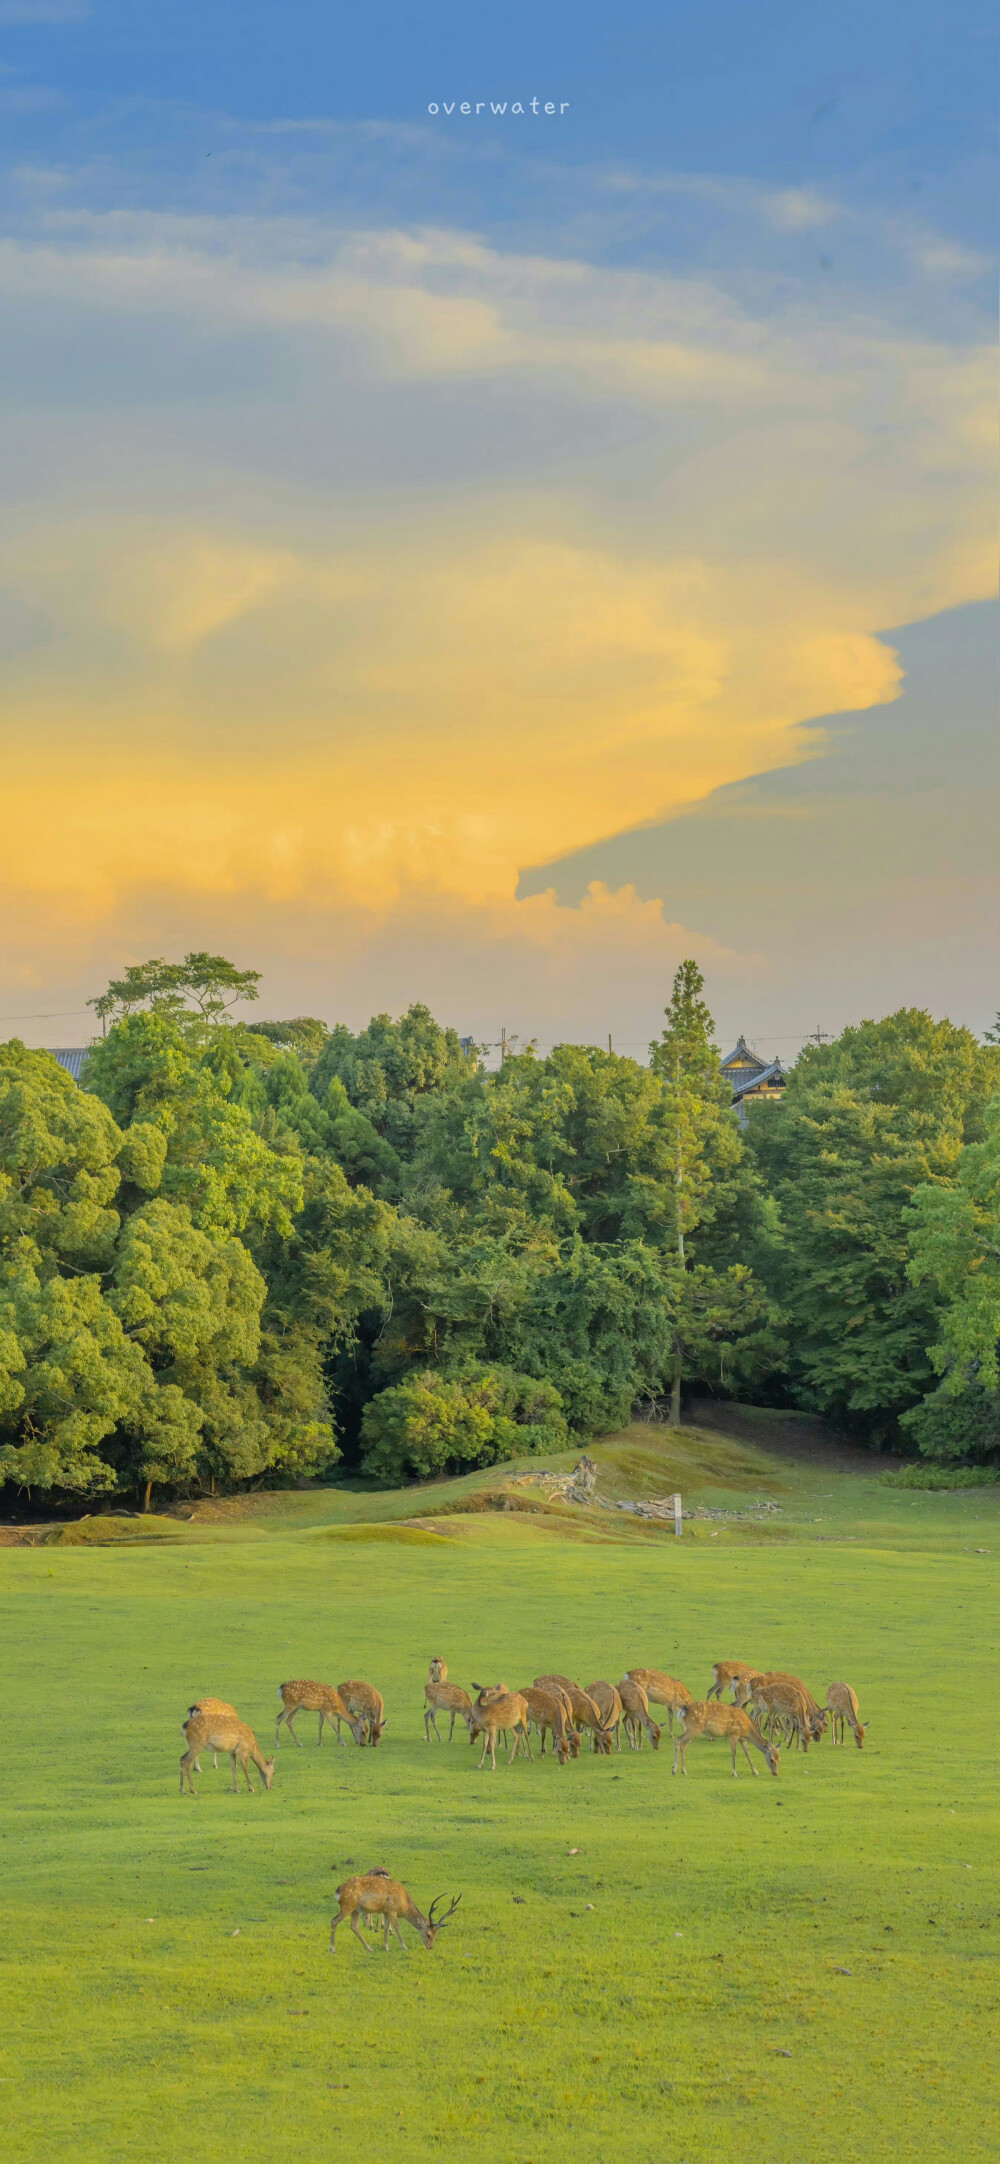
(321, 1698)
(375, 1894)
(223, 1732)
(842, 1704)
(710, 1721)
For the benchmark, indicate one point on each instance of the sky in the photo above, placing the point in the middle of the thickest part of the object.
(484, 558)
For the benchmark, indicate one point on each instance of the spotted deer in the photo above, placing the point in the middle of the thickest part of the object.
(662, 1690)
(224, 1732)
(730, 1673)
(210, 1705)
(505, 1715)
(842, 1704)
(635, 1706)
(711, 1721)
(366, 1704)
(447, 1698)
(486, 1695)
(558, 1687)
(608, 1702)
(551, 1714)
(587, 1715)
(321, 1698)
(751, 1689)
(375, 1894)
(782, 1709)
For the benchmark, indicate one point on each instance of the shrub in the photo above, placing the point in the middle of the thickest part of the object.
(941, 1476)
(434, 1423)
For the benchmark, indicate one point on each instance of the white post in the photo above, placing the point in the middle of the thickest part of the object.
(678, 1517)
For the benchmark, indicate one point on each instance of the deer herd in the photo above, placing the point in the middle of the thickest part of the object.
(765, 1708)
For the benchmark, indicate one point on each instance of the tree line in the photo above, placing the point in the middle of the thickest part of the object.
(244, 1252)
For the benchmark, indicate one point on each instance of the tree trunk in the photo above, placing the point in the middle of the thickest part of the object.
(149, 1490)
(674, 1415)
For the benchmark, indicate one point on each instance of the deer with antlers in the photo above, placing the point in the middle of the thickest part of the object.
(366, 1704)
(709, 1721)
(448, 1698)
(321, 1698)
(375, 1894)
(842, 1704)
(635, 1706)
(607, 1699)
(224, 1732)
(662, 1690)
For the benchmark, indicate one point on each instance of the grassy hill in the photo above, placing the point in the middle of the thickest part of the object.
(678, 1970)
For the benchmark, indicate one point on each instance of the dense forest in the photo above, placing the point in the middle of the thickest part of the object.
(243, 1253)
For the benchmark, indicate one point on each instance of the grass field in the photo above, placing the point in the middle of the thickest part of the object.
(769, 1970)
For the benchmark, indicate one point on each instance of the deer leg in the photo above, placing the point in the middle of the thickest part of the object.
(451, 1730)
(246, 1774)
(486, 1745)
(235, 1783)
(748, 1758)
(357, 1934)
(522, 1740)
(290, 1725)
(187, 1762)
(399, 1935)
(215, 1760)
(334, 1922)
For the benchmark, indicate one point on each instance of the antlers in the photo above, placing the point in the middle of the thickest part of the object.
(438, 1923)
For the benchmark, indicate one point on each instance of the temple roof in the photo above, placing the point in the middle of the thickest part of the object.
(742, 1085)
(741, 1055)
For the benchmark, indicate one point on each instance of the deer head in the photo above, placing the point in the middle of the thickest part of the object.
(431, 1924)
(375, 1732)
(267, 1770)
(772, 1755)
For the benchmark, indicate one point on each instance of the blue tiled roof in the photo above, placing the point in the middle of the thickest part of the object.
(71, 1057)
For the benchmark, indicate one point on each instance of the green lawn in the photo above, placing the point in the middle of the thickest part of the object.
(167, 1991)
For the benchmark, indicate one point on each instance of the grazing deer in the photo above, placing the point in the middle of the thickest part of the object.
(587, 1714)
(635, 1705)
(210, 1705)
(321, 1698)
(662, 1690)
(437, 1671)
(557, 1688)
(367, 1706)
(224, 1732)
(376, 1894)
(503, 1716)
(730, 1672)
(784, 1711)
(842, 1704)
(608, 1701)
(448, 1698)
(551, 1714)
(755, 1687)
(711, 1721)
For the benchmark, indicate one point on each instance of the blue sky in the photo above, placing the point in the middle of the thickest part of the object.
(399, 501)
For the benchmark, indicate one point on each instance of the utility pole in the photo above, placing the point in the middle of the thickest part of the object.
(609, 1040)
(819, 1036)
(503, 1046)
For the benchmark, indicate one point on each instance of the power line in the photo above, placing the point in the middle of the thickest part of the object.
(59, 1014)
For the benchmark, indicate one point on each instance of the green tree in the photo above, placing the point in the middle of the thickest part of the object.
(863, 1124)
(388, 1067)
(704, 1138)
(204, 984)
(955, 1246)
(436, 1423)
